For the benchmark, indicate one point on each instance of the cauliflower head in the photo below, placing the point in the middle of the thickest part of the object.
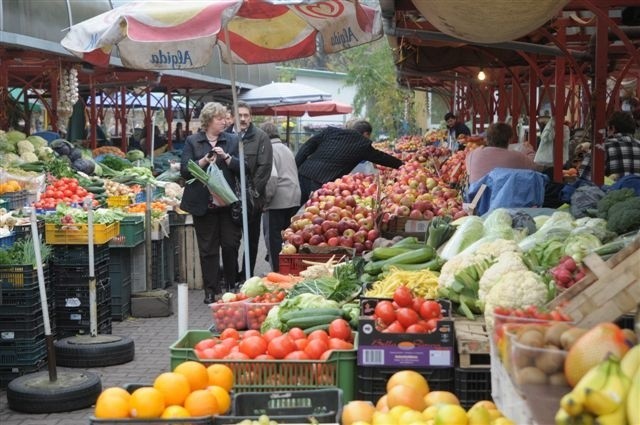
(454, 265)
(496, 247)
(45, 153)
(507, 262)
(28, 157)
(25, 146)
(516, 289)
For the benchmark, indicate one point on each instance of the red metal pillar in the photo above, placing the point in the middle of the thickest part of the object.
(599, 101)
(148, 124)
(533, 107)
(93, 119)
(502, 96)
(124, 142)
(515, 103)
(558, 143)
(4, 94)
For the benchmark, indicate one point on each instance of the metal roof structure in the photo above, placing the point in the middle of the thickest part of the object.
(591, 48)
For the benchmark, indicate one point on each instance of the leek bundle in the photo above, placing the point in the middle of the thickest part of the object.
(213, 178)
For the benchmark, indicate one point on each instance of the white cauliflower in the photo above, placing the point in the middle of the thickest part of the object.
(515, 290)
(496, 247)
(45, 153)
(28, 157)
(507, 262)
(25, 146)
(456, 264)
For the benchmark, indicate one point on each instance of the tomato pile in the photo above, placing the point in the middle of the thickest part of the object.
(66, 190)
(407, 314)
(229, 315)
(276, 345)
(567, 272)
(531, 312)
(258, 308)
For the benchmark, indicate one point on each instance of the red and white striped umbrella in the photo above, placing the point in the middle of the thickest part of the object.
(182, 34)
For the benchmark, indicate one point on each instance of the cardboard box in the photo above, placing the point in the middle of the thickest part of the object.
(376, 348)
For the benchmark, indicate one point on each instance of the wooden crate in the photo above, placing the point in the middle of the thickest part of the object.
(188, 258)
(472, 339)
(609, 289)
(405, 226)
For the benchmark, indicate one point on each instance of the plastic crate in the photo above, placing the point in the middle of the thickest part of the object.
(72, 255)
(295, 263)
(21, 328)
(277, 375)
(21, 302)
(626, 321)
(159, 277)
(131, 232)
(121, 302)
(177, 219)
(7, 241)
(168, 255)
(78, 296)
(311, 406)
(372, 381)
(83, 328)
(118, 201)
(10, 372)
(15, 200)
(78, 275)
(24, 230)
(77, 234)
(21, 276)
(472, 385)
(23, 351)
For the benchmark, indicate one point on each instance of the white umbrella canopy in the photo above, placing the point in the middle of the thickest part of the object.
(182, 34)
(275, 94)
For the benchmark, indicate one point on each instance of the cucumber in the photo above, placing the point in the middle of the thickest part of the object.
(405, 241)
(324, 327)
(434, 265)
(309, 312)
(307, 322)
(384, 253)
(368, 278)
(415, 256)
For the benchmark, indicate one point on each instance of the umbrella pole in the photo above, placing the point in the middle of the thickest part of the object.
(51, 352)
(93, 309)
(243, 187)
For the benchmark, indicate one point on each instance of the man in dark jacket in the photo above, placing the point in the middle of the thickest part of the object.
(335, 152)
(259, 159)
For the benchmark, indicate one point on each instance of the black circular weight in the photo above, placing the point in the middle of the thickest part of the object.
(94, 351)
(35, 393)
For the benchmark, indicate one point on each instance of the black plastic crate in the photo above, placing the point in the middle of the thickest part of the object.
(64, 331)
(176, 219)
(10, 372)
(119, 268)
(15, 200)
(21, 276)
(23, 351)
(24, 230)
(121, 300)
(22, 302)
(177, 239)
(78, 255)
(77, 296)
(372, 381)
(168, 255)
(626, 321)
(21, 328)
(472, 385)
(159, 267)
(78, 275)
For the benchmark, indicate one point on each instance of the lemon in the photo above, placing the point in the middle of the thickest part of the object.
(430, 412)
(451, 414)
(486, 404)
(494, 413)
(503, 421)
(478, 416)
(411, 417)
(361, 423)
(383, 418)
(397, 411)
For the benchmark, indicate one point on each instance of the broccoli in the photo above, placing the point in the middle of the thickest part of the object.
(625, 216)
(612, 198)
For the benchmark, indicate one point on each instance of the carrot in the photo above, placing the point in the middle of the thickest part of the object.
(278, 277)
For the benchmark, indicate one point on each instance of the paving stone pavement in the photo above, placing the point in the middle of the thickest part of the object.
(152, 338)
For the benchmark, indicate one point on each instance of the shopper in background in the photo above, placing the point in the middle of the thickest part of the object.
(259, 160)
(621, 149)
(282, 194)
(215, 231)
(496, 154)
(333, 153)
(454, 129)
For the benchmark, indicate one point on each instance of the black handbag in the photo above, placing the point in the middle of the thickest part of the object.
(252, 198)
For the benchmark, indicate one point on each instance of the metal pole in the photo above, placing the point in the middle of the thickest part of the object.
(147, 238)
(558, 141)
(93, 310)
(599, 100)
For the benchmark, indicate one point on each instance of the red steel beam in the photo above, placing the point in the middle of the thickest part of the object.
(558, 142)
(599, 102)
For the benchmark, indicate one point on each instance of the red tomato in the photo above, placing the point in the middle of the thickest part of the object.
(271, 334)
(280, 346)
(205, 343)
(432, 324)
(296, 333)
(417, 303)
(297, 355)
(253, 346)
(264, 357)
(416, 329)
(250, 332)
(339, 344)
(402, 296)
(230, 333)
(237, 356)
(319, 334)
(430, 309)
(221, 350)
(326, 355)
(300, 343)
(407, 317)
(340, 328)
(395, 327)
(385, 312)
(229, 342)
(315, 348)
(208, 353)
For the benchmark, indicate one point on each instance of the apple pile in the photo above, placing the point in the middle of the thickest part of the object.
(415, 192)
(454, 169)
(409, 143)
(340, 213)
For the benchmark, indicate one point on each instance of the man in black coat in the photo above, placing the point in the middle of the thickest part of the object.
(333, 153)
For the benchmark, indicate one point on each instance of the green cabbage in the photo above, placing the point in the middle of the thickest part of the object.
(467, 233)
(135, 155)
(253, 287)
(580, 245)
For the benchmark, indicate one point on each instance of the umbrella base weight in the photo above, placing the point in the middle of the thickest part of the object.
(155, 303)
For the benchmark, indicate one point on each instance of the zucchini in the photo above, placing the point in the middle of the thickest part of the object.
(308, 312)
(307, 322)
(384, 253)
(434, 265)
(95, 189)
(415, 256)
(368, 278)
(324, 327)
(406, 241)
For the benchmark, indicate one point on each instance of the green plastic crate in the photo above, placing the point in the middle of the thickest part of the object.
(339, 370)
(131, 232)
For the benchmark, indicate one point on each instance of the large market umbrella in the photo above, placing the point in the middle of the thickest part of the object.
(181, 34)
(275, 94)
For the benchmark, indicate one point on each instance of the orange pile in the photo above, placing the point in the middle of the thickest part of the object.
(190, 390)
